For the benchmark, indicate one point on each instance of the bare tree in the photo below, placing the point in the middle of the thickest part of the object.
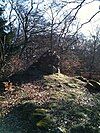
(29, 17)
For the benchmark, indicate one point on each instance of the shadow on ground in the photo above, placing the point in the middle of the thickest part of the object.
(25, 118)
(29, 75)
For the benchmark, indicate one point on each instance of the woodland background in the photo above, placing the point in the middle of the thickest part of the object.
(30, 28)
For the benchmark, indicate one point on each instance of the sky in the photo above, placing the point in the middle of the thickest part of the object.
(84, 14)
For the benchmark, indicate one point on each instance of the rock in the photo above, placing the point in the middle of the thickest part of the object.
(82, 78)
(49, 62)
(93, 86)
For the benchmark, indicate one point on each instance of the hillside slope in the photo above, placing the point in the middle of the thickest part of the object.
(53, 104)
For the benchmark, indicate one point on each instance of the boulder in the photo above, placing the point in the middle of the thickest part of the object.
(49, 62)
(93, 86)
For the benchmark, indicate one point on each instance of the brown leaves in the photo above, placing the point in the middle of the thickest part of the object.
(35, 93)
(26, 92)
(8, 86)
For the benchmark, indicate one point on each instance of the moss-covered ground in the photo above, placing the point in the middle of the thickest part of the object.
(53, 104)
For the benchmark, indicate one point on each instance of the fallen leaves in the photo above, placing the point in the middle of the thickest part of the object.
(56, 86)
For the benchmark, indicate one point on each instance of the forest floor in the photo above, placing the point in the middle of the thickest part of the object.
(55, 103)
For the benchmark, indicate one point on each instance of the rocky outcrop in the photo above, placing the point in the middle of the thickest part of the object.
(91, 85)
(48, 63)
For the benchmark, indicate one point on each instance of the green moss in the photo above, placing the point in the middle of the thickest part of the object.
(62, 129)
(2, 98)
(45, 122)
(69, 109)
(71, 85)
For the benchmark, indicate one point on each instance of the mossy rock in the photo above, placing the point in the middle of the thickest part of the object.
(41, 110)
(93, 86)
(41, 119)
(44, 123)
(71, 85)
(62, 130)
(38, 114)
(82, 78)
(90, 87)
